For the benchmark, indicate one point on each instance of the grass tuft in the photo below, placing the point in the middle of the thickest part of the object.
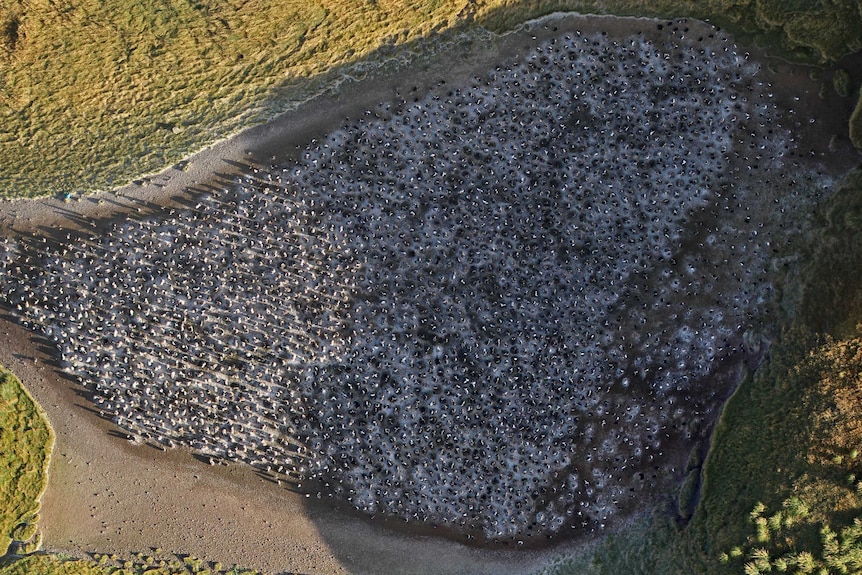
(26, 440)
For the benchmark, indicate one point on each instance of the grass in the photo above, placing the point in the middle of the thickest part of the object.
(799, 29)
(26, 441)
(794, 425)
(811, 462)
(53, 565)
(44, 564)
(766, 432)
(96, 92)
(789, 435)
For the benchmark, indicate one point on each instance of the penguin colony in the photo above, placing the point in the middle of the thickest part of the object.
(485, 308)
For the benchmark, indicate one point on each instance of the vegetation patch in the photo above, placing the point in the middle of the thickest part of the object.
(810, 31)
(774, 544)
(794, 424)
(786, 427)
(97, 92)
(782, 484)
(842, 82)
(53, 565)
(45, 564)
(26, 440)
(101, 564)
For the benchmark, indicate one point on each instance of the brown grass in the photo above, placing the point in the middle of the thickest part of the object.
(26, 441)
(94, 93)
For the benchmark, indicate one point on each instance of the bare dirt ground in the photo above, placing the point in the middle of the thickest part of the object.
(107, 495)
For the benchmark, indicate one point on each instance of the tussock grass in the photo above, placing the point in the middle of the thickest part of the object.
(794, 425)
(46, 564)
(789, 436)
(94, 93)
(760, 445)
(26, 440)
(791, 429)
(813, 439)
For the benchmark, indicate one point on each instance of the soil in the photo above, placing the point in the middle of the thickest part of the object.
(107, 495)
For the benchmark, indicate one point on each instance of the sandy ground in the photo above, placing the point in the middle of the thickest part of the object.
(107, 495)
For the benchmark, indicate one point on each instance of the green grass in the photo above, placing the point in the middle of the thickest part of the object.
(44, 564)
(798, 29)
(26, 441)
(761, 445)
(790, 432)
(96, 92)
(52, 565)
(802, 453)
(791, 429)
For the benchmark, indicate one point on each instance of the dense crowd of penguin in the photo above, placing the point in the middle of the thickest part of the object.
(484, 308)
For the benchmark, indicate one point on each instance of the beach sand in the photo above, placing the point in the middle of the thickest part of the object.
(109, 496)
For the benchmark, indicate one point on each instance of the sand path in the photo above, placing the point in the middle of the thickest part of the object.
(107, 495)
